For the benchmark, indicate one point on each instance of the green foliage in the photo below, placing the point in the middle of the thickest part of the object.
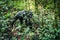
(44, 21)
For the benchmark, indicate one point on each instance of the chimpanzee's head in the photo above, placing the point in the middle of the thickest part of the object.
(29, 15)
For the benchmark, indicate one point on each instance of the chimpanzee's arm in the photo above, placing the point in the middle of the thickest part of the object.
(14, 20)
(20, 15)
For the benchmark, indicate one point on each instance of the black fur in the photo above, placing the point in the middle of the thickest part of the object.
(21, 16)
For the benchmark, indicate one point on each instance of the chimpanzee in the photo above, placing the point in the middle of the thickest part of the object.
(23, 15)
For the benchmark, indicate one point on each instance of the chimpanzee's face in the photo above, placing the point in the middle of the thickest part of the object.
(29, 14)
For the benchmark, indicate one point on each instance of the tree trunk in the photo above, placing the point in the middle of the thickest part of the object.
(58, 6)
(36, 6)
(55, 8)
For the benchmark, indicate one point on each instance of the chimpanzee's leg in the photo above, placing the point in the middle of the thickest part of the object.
(30, 22)
(26, 22)
(21, 20)
(15, 18)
